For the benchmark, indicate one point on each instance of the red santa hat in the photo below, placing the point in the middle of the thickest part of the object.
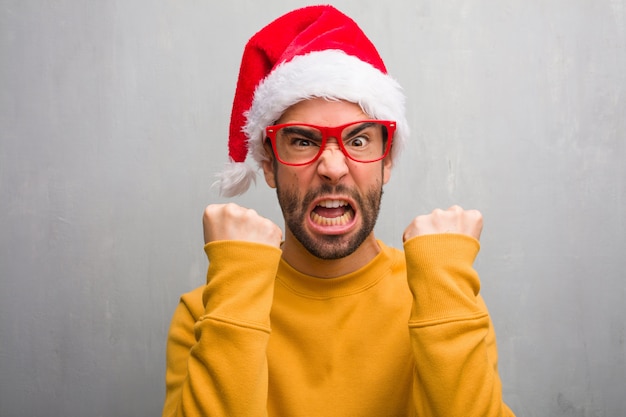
(315, 51)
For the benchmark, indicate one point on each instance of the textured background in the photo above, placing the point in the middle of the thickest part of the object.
(113, 121)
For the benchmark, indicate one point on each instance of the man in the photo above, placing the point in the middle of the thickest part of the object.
(329, 321)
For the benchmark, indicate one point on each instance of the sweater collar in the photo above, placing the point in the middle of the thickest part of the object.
(352, 283)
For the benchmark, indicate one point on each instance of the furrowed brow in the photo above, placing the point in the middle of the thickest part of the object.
(360, 128)
(302, 131)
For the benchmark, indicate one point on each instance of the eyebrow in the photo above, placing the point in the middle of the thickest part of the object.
(307, 133)
(360, 128)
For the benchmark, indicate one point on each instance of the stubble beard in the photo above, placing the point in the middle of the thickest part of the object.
(329, 247)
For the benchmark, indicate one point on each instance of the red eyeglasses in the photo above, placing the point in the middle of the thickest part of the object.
(299, 144)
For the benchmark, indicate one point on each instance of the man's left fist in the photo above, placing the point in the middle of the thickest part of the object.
(452, 220)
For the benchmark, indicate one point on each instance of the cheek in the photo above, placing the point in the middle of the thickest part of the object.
(366, 174)
(292, 179)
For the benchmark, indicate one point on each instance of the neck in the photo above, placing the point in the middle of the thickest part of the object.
(302, 260)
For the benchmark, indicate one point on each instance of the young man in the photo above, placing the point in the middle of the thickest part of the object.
(328, 321)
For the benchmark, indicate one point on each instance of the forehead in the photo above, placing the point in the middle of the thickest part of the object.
(323, 112)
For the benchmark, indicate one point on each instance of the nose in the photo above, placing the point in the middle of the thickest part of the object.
(332, 164)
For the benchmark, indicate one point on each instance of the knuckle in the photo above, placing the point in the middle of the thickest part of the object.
(230, 208)
(474, 215)
(421, 219)
(437, 212)
(209, 211)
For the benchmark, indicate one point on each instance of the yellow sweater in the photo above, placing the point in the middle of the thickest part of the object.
(407, 335)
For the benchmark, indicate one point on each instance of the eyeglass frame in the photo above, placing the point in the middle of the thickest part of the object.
(335, 132)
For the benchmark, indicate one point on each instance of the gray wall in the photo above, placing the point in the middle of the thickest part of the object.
(113, 120)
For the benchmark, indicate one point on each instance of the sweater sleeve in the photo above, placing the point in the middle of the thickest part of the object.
(216, 350)
(456, 371)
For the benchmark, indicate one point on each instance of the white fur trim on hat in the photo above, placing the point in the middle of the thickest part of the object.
(329, 74)
(235, 179)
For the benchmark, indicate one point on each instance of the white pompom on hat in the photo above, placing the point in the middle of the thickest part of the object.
(315, 51)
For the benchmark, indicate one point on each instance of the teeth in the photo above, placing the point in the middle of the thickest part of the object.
(332, 203)
(335, 221)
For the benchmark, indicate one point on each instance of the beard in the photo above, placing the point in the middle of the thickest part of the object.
(328, 247)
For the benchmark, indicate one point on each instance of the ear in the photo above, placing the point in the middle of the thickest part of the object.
(387, 164)
(268, 165)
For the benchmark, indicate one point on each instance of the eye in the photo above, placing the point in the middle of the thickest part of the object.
(299, 142)
(300, 137)
(357, 142)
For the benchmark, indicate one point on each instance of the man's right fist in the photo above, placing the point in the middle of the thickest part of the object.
(233, 222)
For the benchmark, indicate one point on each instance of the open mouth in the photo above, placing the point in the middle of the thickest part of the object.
(332, 213)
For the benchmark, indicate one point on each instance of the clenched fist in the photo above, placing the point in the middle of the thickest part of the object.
(453, 220)
(233, 222)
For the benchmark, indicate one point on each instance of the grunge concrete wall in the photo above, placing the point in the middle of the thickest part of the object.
(113, 121)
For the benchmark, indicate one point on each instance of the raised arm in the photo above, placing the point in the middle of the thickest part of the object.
(216, 349)
(452, 335)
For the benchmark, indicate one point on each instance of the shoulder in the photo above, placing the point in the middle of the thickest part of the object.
(396, 257)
